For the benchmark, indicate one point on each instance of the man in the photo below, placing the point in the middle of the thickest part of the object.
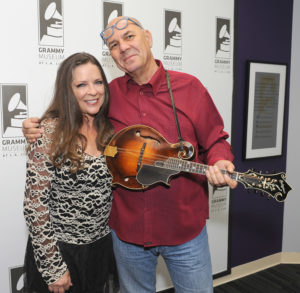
(166, 221)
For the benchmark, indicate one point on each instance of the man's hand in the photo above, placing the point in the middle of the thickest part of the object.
(62, 284)
(217, 178)
(31, 130)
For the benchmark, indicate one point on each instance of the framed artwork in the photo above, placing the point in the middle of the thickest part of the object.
(265, 110)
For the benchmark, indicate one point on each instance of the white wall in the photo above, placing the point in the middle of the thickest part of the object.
(32, 46)
(291, 235)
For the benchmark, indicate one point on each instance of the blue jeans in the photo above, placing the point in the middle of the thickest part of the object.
(189, 265)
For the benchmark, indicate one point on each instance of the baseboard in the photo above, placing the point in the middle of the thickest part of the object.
(259, 265)
(290, 257)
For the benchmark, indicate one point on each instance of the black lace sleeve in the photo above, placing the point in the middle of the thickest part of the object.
(39, 174)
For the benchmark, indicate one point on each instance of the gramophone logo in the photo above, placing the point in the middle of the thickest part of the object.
(14, 109)
(223, 54)
(223, 40)
(51, 30)
(17, 280)
(111, 10)
(173, 36)
(172, 58)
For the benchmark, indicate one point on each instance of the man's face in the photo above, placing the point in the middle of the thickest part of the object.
(131, 48)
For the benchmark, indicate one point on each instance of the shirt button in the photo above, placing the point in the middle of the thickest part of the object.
(141, 93)
(144, 114)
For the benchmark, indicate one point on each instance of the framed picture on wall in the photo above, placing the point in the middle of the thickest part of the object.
(265, 110)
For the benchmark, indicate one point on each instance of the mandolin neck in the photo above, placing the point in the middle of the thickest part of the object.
(274, 185)
(190, 167)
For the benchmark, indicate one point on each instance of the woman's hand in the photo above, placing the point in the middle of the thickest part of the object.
(62, 284)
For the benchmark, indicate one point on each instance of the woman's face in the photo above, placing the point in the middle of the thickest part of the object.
(88, 88)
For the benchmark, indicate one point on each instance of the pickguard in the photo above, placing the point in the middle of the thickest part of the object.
(148, 175)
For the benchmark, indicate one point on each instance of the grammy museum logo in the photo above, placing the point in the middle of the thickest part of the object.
(51, 32)
(17, 280)
(223, 45)
(110, 10)
(172, 58)
(14, 112)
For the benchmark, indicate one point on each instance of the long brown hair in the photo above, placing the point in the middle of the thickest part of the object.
(64, 106)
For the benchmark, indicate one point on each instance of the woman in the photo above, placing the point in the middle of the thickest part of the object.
(68, 194)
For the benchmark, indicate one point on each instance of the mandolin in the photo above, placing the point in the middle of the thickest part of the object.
(138, 156)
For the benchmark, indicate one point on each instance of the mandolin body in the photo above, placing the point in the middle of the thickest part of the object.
(138, 145)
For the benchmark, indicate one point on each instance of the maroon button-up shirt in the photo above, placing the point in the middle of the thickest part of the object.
(167, 215)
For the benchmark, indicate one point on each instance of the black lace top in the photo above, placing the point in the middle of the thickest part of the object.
(63, 206)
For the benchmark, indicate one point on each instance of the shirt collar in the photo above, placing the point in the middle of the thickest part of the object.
(157, 80)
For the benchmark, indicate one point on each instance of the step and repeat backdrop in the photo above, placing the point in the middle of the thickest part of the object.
(194, 36)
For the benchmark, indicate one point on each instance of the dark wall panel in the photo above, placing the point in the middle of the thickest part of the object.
(263, 33)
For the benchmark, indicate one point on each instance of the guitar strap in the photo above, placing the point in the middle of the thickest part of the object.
(174, 110)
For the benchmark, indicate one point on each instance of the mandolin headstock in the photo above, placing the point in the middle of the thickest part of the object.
(274, 185)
